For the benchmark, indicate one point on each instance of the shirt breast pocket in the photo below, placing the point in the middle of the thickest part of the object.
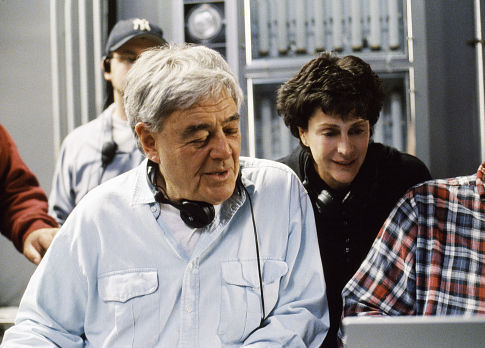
(133, 304)
(240, 308)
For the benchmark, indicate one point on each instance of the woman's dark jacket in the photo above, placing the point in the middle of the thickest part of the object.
(348, 222)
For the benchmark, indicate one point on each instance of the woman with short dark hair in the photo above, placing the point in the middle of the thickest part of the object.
(332, 105)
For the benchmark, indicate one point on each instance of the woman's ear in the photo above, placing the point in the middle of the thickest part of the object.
(147, 141)
(302, 134)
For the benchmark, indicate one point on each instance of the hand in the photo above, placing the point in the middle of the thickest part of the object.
(37, 243)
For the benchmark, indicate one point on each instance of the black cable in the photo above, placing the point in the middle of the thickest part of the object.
(257, 255)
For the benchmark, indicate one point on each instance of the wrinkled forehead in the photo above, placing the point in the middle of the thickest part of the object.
(220, 107)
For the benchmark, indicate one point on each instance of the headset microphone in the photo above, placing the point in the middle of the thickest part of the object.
(108, 152)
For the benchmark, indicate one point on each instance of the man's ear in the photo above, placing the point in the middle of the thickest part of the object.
(147, 141)
(302, 134)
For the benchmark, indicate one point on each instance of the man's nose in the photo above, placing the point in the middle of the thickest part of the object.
(220, 147)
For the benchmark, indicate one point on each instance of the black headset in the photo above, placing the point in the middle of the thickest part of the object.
(197, 214)
(107, 64)
(109, 86)
(109, 148)
(325, 202)
(194, 214)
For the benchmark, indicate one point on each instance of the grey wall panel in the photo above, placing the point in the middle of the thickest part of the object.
(453, 123)
(25, 93)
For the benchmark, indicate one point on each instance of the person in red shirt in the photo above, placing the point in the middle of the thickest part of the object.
(23, 204)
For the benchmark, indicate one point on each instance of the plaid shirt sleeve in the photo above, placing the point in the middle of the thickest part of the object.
(428, 256)
(385, 284)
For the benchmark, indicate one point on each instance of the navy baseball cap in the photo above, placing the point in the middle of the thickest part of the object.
(128, 29)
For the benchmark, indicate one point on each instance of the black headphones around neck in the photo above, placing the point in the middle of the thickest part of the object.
(195, 214)
(325, 201)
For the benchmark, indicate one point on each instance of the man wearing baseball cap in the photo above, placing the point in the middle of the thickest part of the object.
(104, 147)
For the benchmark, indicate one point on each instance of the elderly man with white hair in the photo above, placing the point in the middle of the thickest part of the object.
(197, 246)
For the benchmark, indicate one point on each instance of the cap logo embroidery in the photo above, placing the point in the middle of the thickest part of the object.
(141, 24)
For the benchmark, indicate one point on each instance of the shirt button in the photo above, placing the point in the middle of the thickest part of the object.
(190, 266)
(188, 308)
(154, 209)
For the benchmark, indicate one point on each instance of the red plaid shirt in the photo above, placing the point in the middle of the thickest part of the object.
(429, 257)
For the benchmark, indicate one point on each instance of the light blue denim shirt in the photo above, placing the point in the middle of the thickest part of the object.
(115, 276)
(78, 169)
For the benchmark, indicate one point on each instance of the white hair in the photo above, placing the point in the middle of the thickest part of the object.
(175, 77)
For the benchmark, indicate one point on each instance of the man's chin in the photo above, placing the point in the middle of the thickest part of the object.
(218, 195)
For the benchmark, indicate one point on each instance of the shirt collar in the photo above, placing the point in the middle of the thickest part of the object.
(144, 192)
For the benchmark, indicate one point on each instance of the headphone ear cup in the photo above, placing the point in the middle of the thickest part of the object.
(107, 65)
(325, 202)
(196, 214)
